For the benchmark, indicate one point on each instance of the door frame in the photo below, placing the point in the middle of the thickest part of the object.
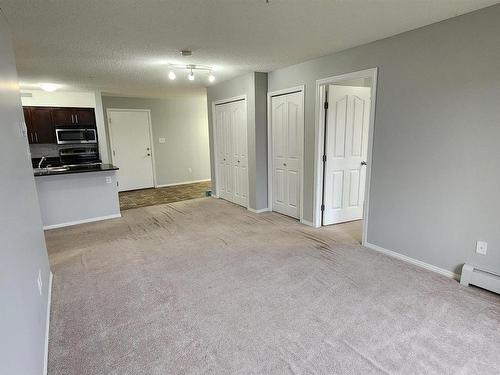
(291, 90)
(151, 139)
(214, 132)
(320, 139)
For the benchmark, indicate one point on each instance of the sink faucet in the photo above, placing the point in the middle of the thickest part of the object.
(41, 161)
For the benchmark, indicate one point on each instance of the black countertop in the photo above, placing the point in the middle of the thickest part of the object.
(75, 169)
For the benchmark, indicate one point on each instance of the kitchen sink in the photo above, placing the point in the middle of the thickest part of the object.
(50, 169)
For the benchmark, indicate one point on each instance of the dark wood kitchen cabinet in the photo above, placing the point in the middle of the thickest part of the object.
(41, 122)
(39, 125)
(73, 116)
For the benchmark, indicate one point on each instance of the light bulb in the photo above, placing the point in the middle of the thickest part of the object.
(211, 77)
(191, 76)
(50, 87)
(171, 75)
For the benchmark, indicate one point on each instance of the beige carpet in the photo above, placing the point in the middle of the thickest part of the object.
(206, 287)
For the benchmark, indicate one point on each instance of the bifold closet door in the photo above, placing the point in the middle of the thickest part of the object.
(232, 156)
(287, 121)
(346, 152)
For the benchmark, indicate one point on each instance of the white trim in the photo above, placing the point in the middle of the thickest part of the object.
(181, 183)
(319, 142)
(214, 133)
(151, 139)
(413, 261)
(76, 222)
(47, 326)
(258, 211)
(297, 89)
(307, 222)
(478, 277)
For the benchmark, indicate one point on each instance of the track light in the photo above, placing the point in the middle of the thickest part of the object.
(211, 77)
(191, 75)
(171, 75)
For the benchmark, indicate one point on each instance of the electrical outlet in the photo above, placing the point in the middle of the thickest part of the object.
(39, 282)
(161, 140)
(481, 247)
(108, 180)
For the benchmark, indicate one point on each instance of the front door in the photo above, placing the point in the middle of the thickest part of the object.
(346, 151)
(131, 148)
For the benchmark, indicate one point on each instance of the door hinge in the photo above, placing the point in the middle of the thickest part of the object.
(325, 105)
(322, 207)
(324, 158)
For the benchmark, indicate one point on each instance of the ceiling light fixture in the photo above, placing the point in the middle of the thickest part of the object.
(192, 69)
(49, 87)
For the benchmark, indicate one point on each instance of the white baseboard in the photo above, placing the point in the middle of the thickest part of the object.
(416, 262)
(47, 325)
(92, 219)
(258, 211)
(181, 183)
(307, 222)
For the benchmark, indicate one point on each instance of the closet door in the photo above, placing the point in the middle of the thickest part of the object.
(231, 150)
(287, 121)
(239, 156)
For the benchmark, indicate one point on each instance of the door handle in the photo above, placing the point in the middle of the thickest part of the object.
(363, 163)
(149, 154)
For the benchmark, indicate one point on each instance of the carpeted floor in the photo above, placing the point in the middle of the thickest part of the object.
(207, 287)
(161, 195)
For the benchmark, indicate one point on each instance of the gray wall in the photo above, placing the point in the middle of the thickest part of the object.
(183, 124)
(22, 245)
(435, 173)
(254, 86)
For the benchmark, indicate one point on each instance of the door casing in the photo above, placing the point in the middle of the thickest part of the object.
(215, 138)
(297, 89)
(320, 136)
(108, 111)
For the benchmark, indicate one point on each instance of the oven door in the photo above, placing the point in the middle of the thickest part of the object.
(75, 135)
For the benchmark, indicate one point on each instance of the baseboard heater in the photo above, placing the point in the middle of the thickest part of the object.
(483, 279)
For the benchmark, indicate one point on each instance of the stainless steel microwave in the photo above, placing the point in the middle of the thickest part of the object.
(75, 135)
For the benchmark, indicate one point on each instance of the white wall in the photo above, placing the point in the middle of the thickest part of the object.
(23, 254)
(87, 99)
(183, 122)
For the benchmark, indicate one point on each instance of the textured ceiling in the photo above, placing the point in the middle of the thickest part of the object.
(124, 46)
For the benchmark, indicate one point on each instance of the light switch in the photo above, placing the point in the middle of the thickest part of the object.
(161, 140)
(481, 247)
(108, 180)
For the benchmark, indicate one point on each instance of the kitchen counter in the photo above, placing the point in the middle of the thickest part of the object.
(78, 195)
(74, 169)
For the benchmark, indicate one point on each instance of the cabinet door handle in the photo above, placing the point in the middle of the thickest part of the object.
(31, 135)
(76, 118)
(36, 137)
(72, 121)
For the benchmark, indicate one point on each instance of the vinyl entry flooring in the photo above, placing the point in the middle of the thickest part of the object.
(168, 194)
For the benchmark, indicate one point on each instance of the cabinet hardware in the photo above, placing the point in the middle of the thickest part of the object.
(36, 137)
(76, 118)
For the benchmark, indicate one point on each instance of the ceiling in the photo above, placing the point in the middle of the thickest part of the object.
(124, 47)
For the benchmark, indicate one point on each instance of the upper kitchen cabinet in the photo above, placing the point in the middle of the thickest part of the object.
(85, 116)
(73, 116)
(63, 116)
(39, 125)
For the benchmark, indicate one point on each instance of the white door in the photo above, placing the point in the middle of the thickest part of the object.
(131, 148)
(232, 156)
(346, 150)
(287, 128)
